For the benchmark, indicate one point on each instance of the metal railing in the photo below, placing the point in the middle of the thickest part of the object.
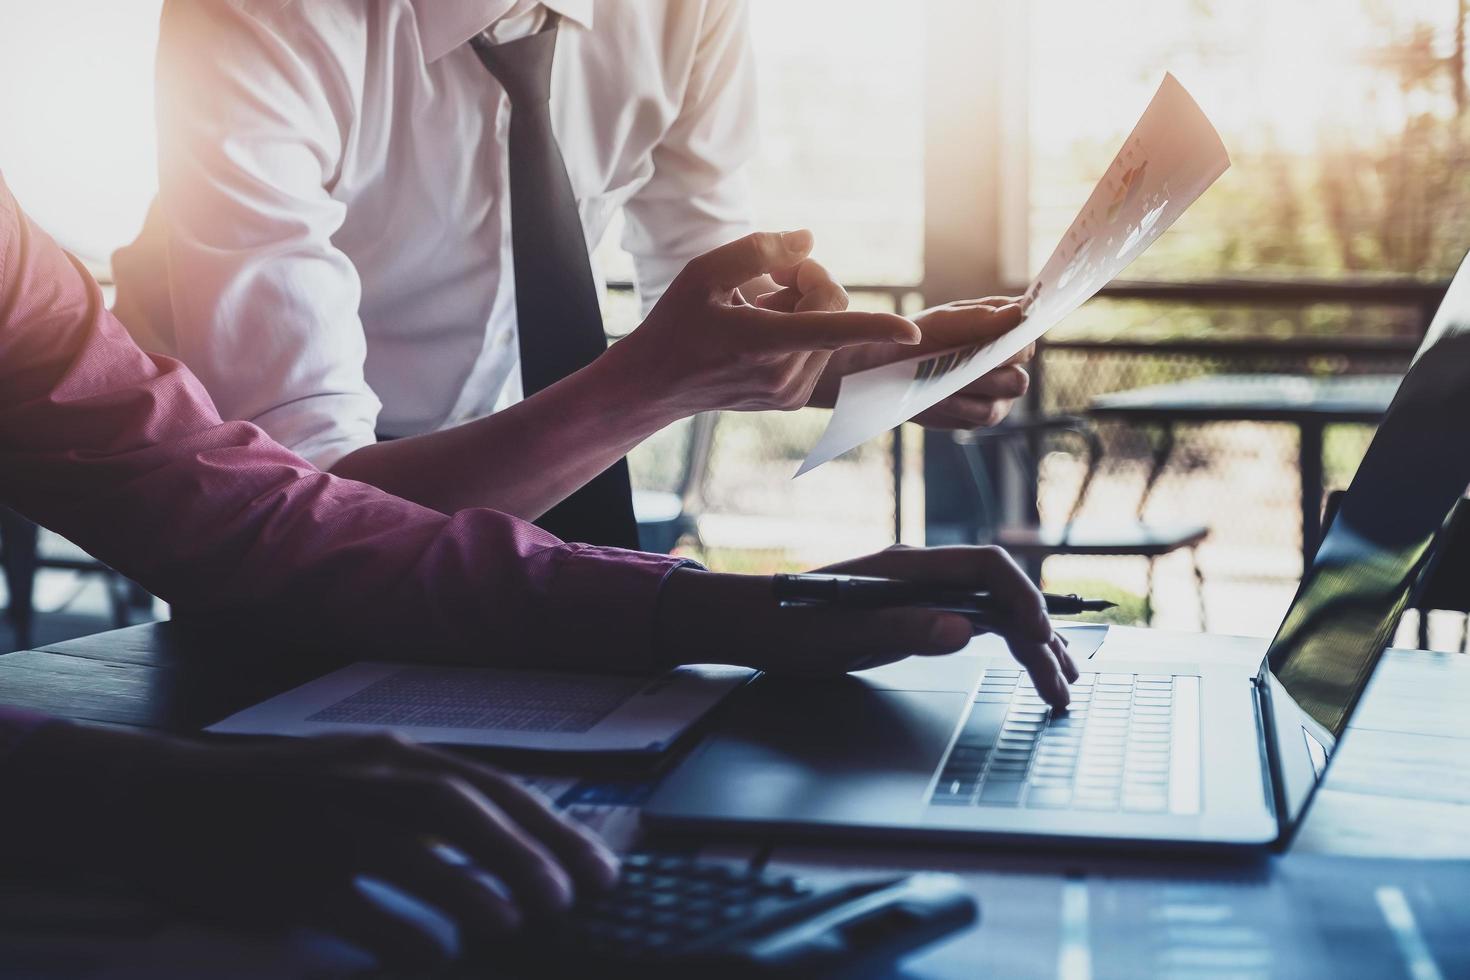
(1334, 354)
(1341, 353)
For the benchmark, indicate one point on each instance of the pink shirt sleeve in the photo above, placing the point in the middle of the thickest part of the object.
(123, 453)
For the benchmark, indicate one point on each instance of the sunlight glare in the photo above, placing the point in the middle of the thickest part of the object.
(76, 116)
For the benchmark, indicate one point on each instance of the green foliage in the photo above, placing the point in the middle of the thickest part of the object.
(1130, 608)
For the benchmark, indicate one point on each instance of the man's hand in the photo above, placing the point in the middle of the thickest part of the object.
(276, 833)
(705, 347)
(984, 402)
(707, 617)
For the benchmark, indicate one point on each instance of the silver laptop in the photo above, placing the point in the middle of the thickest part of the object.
(1197, 755)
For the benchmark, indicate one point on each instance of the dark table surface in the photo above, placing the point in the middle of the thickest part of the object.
(1255, 398)
(1377, 885)
(1309, 403)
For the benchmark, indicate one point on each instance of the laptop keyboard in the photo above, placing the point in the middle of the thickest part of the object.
(1112, 749)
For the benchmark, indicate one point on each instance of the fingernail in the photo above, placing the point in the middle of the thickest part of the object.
(908, 333)
(797, 241)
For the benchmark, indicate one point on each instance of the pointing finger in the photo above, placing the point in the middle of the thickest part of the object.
(785, 333)
(1064, 658)
(1041, 663)
(742, 260)
(952, 326)
(983, 567)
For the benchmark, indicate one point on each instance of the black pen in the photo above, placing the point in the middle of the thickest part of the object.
(862, 592)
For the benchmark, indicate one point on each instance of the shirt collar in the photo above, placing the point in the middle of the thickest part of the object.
(446, 24)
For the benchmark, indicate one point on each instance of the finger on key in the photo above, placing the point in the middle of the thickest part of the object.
(1064, 658)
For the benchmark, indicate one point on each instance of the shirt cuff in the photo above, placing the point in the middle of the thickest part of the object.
(601, 598)
(323, 428)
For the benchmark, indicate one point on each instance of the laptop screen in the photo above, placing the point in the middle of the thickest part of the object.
(1416, 468)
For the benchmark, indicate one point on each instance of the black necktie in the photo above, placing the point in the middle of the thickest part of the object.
(558, 320)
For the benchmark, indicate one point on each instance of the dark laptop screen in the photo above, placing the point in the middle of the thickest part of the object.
(1416, 468)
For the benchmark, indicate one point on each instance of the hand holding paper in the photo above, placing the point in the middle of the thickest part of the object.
(985, 401)
(1167, 162)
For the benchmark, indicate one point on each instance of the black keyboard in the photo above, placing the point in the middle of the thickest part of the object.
(1115, 748)
(670, 915)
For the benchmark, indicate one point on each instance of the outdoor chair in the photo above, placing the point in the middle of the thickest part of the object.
(1031, 542)
(22, 558)
(665, 517)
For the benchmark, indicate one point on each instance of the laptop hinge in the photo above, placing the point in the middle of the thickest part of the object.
(1271, 759)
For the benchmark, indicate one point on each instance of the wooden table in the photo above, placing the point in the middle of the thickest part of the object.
(1378, 883)
(1309, 403)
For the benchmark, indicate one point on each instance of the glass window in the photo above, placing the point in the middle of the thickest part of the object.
(841, 152)
(841, 136)
(1343, 120)
(77, 114)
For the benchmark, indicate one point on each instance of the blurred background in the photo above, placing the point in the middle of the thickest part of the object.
(939, 150)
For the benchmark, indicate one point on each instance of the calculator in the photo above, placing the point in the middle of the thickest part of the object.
(670, 915)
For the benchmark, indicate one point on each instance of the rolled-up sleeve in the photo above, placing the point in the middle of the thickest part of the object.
(123, 453)
(252, 139)
(697, 197)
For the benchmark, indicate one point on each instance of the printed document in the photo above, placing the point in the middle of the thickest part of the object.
(1168, 161)
(496, 708)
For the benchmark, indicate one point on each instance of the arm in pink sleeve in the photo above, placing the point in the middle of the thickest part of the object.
(123, 453)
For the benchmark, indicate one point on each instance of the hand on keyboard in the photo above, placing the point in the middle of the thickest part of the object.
(714, 618)
(281, 833)
(1111, 751)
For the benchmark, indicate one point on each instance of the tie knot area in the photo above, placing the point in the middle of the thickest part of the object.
(522, 67)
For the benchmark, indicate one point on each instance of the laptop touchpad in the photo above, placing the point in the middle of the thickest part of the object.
(844, 750)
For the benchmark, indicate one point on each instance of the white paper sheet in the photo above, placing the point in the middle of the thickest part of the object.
(1167, 162)
(484, 706)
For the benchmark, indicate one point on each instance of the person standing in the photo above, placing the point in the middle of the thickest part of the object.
(372, 237)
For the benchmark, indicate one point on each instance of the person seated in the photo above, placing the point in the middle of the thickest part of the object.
(123, 453)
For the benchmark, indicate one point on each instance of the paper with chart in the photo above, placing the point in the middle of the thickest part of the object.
(551, 711)
(1168, 161)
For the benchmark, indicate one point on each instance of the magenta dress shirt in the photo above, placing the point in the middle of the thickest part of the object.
(123, 453)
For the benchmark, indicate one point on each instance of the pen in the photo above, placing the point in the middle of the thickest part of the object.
(862, 592)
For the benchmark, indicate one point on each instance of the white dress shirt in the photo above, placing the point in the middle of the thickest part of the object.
(330, 251)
